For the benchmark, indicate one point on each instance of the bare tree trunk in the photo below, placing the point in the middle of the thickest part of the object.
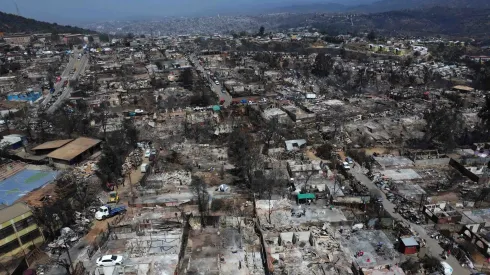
(270, 210)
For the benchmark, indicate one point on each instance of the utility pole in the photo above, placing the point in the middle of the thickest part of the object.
(334, 171)
(69, 258)
(131, 186)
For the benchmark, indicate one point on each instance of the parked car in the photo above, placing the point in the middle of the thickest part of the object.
(144, 167)
(445, 268)
(109, 260)
(147, 153)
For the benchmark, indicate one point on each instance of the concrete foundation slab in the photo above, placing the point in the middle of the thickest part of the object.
(401, 174)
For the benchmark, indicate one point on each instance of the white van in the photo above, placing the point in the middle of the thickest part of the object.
(446, 268)
(144, 167)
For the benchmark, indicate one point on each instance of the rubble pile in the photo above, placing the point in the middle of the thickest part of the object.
(176, 178)
(133, 160)
(140, 84)
(85, 170)
(67, 239)
(69, 236)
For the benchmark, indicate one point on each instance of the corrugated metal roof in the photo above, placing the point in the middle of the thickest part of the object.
(74, 148)
(410, 241)
(54, 144)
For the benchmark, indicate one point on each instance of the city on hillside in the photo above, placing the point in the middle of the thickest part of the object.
(252, 151)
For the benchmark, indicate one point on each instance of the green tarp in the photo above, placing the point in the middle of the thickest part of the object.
(216, 108)
(306, 196)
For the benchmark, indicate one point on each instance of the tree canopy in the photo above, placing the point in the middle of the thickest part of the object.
(13, 23)
(444, 126)
(323, 65)
(261, 31)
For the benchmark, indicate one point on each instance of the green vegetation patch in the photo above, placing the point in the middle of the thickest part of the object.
(36, 177)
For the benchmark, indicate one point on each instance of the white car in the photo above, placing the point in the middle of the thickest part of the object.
(109, 260)
(216, 82)
(147, 153)
(139, 111)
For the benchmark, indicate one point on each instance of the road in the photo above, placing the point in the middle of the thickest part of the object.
(432, 244)
(58, 86)
(68, 74)
(218, 89)
(221, 93)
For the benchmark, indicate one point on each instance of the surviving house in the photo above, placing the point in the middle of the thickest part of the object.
(74, 152)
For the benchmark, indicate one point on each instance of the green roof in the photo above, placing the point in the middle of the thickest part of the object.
(306, 196)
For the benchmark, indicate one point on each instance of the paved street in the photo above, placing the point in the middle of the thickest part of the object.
(80, 66)
(432, 244)
(217, 89)
(64, 76)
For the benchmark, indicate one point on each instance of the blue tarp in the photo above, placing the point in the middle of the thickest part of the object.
(243, 101)
(32, 96)
(18, 185)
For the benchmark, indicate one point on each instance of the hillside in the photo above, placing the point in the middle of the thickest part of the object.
(10, 23)
(380, 6)
(309, 8)
(433, 21)
(392, 5)
(455, 22)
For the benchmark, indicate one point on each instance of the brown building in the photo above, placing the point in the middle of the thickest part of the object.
(18, 39)
(74, 39)
(74, 152)
(50, 146)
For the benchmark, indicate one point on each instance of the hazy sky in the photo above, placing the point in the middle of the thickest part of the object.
(81, 11)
